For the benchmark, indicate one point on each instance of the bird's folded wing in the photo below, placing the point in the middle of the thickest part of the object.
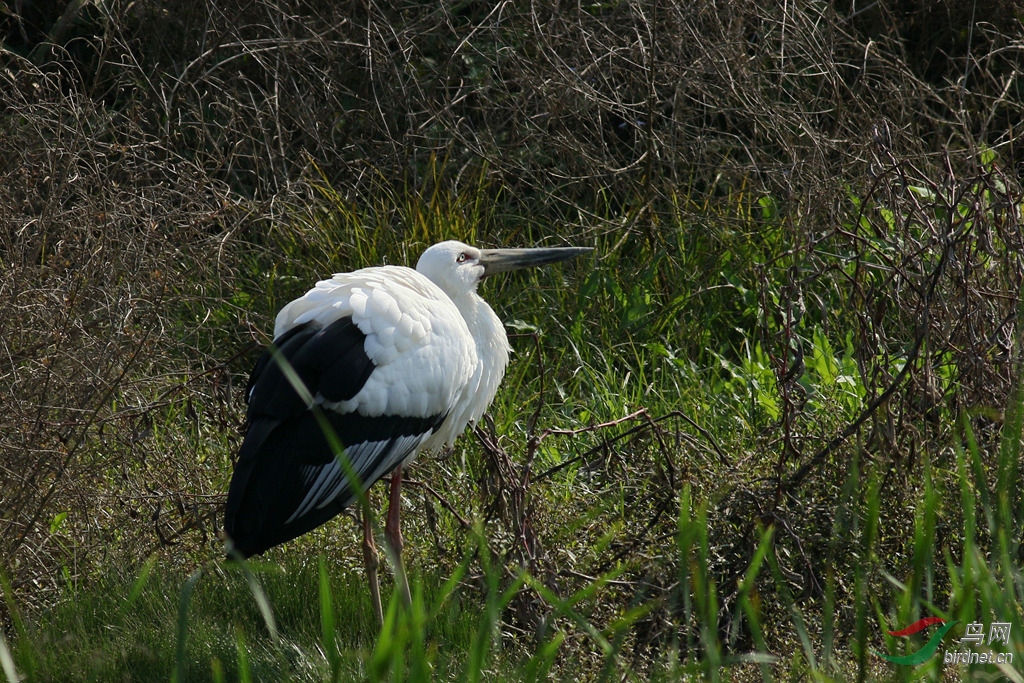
(369, 461)
(288, 479)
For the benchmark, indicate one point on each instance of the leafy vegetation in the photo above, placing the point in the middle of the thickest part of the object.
(776, 417)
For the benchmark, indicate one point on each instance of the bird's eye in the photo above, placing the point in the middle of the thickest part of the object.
(462, 258)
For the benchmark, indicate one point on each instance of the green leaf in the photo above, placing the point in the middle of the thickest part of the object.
(57, 521)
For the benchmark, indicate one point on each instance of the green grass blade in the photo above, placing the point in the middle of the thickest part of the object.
(20, 630)
(542, 660)
(139, 584)
(747, 606)
(217, 670)
(7, 661)
(262, 601)
(185, 598)
(328, 631)
(242, 657)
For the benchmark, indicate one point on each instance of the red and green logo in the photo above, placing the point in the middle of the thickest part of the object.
(926, 652)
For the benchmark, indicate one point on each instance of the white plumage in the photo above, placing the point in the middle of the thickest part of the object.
(415, 336)
(397, 360)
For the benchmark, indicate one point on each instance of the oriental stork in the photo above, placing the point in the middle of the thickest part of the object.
(397, 361)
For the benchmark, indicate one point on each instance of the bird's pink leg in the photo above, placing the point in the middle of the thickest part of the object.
(393, 528)
(393, 533)
(371, 560)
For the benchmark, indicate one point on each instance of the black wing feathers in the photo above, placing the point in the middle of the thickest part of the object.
(276, 487)
(329, 360)
(348, 366)
(284, 439)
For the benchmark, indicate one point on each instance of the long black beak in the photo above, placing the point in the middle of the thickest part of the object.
(503, 260)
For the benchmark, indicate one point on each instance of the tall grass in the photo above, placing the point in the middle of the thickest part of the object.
(311, 621)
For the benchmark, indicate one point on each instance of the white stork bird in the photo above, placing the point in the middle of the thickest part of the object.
(398, 361)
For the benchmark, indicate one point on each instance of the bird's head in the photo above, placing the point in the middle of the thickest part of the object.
(458, 268)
